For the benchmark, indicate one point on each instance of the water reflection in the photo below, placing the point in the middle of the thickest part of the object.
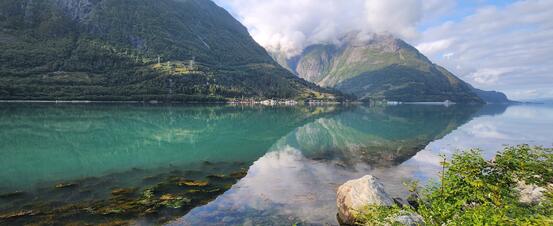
(297, 181)
(63, 142)
(62, 164)
(198, 156)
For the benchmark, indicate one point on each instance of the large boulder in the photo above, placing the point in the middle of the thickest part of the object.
(354, 195)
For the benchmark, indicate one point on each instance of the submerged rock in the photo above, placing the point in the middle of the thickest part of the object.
(173, 201)
(239, 174)
(216, 176)
(66, 185)
(21, 213)
(10, 195)
(354, 195)
(122, 191)
(192, 183)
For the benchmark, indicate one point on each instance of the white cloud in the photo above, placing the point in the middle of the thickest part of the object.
(290, 26)
(489, 76)
(431, 48)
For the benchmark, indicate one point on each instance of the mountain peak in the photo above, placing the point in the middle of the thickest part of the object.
(383, 42)
(379, 66)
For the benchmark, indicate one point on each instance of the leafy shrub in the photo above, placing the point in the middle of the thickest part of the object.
(476, 191)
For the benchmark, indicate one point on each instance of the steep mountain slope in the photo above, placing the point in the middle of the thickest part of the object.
(135, 50)
(380, 67)
(493, 97)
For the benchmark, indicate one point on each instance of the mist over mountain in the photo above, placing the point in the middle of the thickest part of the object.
(135, 50)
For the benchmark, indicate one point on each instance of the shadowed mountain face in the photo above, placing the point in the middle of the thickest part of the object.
(493, 97)
(379, 67)
(135, 50)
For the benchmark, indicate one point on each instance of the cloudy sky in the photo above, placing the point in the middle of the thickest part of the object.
(492, 44)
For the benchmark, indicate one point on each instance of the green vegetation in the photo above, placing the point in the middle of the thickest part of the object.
(406, 84)
(135, 50)
(474, 191)
(380, 215)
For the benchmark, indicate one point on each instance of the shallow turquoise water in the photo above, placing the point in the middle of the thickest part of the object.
(295, 157)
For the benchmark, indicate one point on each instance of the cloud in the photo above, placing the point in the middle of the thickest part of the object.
(487, 76)
(434, 47)
(506, 48)
(290, 26)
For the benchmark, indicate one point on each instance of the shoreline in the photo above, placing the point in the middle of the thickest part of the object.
(267, 102)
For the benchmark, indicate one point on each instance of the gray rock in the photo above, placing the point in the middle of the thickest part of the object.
(354, 195)
(531, 194)
(402, 203)
(77, 9)
(409, 219)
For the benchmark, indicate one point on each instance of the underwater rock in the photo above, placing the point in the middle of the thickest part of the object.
(216, 176)
(122, 191)
(156, 197)
(11, 195)
(192, 183)
(66, 185)
(150, 178)
(239, 174)
(172, 201)
(214, 190)
(22, 213)
(354, 195)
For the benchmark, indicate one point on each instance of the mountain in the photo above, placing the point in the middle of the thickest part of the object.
(177, 50)
(492, 97)
(379, 67)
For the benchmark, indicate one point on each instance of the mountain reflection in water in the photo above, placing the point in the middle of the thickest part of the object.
(207, 164)
(297, 180)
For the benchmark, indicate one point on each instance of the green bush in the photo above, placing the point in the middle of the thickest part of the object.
(476, 191)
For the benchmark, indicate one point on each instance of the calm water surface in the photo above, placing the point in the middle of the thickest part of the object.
(230, 165)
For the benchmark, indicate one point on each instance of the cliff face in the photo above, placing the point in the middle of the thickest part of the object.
(380, 67)
(316, 65)
(77, 9)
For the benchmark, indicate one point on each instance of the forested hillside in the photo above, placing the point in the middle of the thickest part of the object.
(180, 50)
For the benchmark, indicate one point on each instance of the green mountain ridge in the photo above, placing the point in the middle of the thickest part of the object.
(178, 50)
(381, 67)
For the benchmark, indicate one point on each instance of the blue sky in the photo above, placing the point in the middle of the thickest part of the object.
(461, 10)
(492, 44)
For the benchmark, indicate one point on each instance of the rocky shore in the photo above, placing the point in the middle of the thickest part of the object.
(355, 196)
(366, 196)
